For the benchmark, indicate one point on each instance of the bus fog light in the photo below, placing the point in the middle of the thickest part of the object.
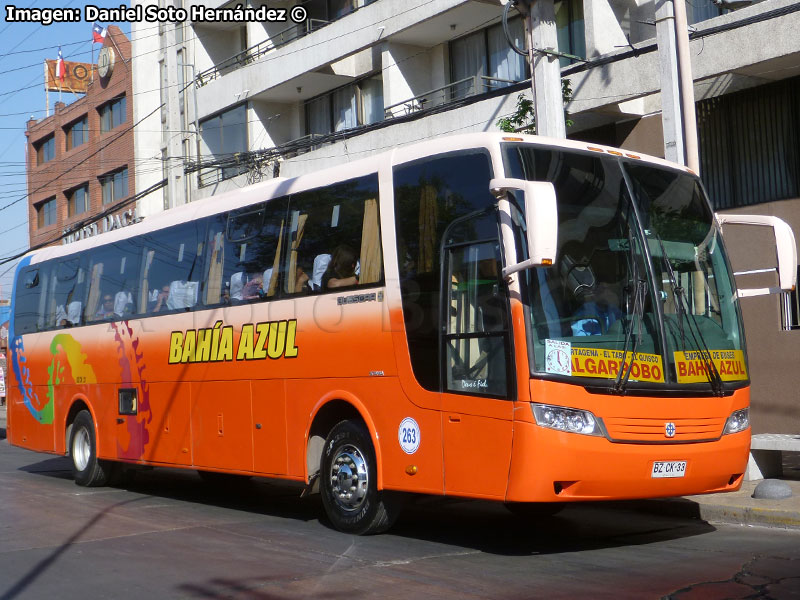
(738, 421)
(566, 419)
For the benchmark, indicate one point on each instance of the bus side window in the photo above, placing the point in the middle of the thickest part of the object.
(173, 271)
(246, 253)
(113, 281)
(68, 294)
(28, 302)
(334, 237)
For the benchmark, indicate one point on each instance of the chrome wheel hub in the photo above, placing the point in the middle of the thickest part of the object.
(349, 478)
(81, 449)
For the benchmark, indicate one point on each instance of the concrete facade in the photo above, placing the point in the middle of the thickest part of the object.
(279, 71)
(86, 164)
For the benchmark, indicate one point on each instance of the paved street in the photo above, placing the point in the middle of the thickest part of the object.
(166, 534)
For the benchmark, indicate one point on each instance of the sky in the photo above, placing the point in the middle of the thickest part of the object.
(23, 49)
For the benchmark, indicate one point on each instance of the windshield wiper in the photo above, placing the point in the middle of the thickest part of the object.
(637, 317)
(679, 296)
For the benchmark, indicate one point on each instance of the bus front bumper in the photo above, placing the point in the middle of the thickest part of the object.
(555, 466)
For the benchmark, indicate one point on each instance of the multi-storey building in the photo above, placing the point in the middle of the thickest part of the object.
(81, 158)
(244, 101)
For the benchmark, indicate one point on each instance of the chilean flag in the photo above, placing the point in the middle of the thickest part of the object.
(60, 70)
(98, 33)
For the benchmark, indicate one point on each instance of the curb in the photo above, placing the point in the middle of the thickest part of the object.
(739, 513)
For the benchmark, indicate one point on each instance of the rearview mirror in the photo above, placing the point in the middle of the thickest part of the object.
(785, 248)
(541, 219)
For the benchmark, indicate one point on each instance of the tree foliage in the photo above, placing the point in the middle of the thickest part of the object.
(523, 119)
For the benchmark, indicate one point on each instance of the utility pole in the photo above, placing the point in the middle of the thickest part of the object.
(678, 115)
(540, 24)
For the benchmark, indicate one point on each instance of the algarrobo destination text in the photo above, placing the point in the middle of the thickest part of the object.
(149, 14)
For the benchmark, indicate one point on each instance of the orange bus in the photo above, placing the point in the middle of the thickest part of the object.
(488, 316)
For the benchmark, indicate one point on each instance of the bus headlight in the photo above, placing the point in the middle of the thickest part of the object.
(738, 421)
(570, 420)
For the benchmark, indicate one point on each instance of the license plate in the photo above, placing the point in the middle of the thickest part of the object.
(670, 468)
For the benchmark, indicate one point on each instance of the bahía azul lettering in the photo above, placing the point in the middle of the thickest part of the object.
(257, 341)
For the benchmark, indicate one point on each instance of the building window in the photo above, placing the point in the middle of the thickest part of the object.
(46, 213)
(114, 186)
(755, 159)
(703, 10)
(225, 135)
(483, 61)
(353, 105)
(113, 114)
(78, 200)
(77, 133)
(45, 150)
(570, 30)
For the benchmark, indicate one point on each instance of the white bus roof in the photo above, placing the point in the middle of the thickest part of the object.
(281, 186)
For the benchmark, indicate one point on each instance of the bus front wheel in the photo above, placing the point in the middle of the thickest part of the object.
(87, 470)
(349, 484)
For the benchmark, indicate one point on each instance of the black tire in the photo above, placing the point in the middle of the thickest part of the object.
(349, 486)
(87, 470)
(534, 510)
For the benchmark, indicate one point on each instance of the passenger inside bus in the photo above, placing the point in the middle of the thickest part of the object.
(341, 271)
(251, 284)
(123, 302)
(161, 299)
(302, 282)
(599, 311)
(69, 316)
(106, 308)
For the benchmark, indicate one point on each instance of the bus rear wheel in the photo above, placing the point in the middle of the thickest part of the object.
(87, 470)
(349, 484)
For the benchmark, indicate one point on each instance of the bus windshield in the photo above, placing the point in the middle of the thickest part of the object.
(641, 293)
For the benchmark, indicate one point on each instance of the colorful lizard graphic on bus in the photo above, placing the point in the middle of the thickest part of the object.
(42, 413)
(132, 373)
(79, 371)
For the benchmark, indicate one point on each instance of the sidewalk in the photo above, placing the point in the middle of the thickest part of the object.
(737, 508)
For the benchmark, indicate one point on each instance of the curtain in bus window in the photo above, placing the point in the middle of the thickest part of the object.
(428, 247)
(216, 245)
(271, 282)
(370, 244)
(92, 303)
(144, 291)
(345, 108)
(468, 59)
(298, 228)
(504, 63)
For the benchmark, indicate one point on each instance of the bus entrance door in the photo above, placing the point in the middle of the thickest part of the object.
(476, 405)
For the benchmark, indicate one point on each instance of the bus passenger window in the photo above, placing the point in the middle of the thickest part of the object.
(29, 300)
(334, 237)
(68, 290)
(113, 281)
(174, 267)
(244, 253)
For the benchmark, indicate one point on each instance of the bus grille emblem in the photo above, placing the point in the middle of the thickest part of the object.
(669, 429)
